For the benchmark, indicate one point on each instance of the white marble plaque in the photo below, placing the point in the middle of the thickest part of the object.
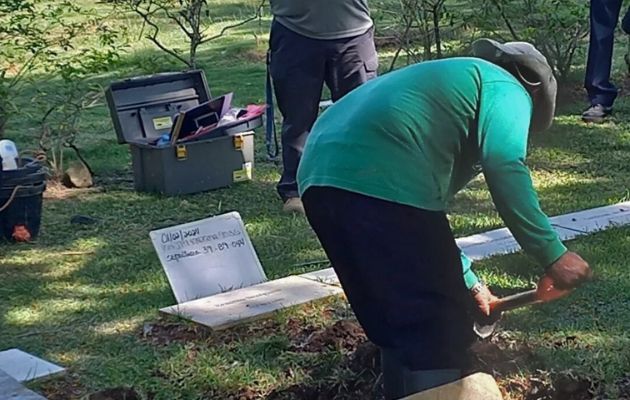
(24, 367)
(242, 305)
(206, 257)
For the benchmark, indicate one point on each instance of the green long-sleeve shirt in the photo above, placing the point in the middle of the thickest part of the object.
(418, 135)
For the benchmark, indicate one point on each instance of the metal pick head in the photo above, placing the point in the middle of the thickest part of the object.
(484, 331)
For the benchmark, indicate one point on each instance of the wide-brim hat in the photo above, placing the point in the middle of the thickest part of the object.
(531, 69)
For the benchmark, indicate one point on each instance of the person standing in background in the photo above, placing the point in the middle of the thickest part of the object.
(601, 91)
(313, 42)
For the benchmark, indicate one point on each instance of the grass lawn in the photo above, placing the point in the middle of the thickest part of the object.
(87, 297)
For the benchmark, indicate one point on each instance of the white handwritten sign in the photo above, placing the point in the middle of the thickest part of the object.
(206, 257)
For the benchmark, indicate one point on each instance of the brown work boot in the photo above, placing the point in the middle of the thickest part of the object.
(293, 205)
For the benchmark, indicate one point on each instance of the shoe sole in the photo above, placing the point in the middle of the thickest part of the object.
(595, 120)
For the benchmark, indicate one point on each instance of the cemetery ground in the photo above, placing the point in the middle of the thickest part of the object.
(87, 296)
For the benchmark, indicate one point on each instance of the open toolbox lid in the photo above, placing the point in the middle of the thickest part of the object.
(143, 108)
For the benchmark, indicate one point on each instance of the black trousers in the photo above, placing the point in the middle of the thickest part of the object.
(299, 68)
(401, 271)
(604, 17)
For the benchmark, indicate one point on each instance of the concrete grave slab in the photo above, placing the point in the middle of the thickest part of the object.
(568, 226)
(593, 220)
(499, 241)
(327, 276)
(484, 245)
(24, 367)
(10, 389)
(224, 310)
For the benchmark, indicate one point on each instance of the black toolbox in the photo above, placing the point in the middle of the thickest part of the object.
(144, 108)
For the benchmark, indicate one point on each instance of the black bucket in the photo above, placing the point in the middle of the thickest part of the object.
(21, 197)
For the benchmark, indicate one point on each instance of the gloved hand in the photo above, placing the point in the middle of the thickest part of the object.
(569, 271)
(482, 297)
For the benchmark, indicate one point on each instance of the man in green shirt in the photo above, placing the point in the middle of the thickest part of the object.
(378, 171)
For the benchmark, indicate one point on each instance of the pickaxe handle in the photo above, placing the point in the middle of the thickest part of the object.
(514, 301)
(543, 293)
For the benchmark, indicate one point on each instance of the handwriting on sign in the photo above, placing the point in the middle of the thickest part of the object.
(182, 244)
(204, 257)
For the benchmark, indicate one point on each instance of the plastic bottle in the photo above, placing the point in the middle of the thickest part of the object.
(9, 155)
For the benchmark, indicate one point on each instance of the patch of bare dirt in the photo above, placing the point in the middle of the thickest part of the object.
(358, 374)
(544, 385)
(500, 357)
(260, 329)
(55, 190)
(343, 335)
(65, 387)
(162, 333)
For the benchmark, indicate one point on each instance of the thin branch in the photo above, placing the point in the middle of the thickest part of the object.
(506, 20)
(245, 21)
(401, 44)
(179, 22)
(154, 39)
(146, 15)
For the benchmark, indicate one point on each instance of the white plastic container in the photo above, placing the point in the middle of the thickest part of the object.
(9, 154)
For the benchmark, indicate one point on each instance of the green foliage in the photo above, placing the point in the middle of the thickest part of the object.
(30, 32)
(62, 112)
(50, 37)
(423, 29)
(556, 27)
(192, 17)
(428, 29)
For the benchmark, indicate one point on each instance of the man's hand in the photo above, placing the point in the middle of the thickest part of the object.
(569, 271)
(483, 297)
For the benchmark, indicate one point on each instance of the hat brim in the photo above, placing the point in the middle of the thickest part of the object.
(537, 76)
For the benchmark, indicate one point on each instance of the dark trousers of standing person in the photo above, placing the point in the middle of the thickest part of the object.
(401, 271)
(299, 68)
(604, 17)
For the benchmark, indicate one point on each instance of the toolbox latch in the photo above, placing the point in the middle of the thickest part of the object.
(181, 152)
(238, 142)
(243, 174)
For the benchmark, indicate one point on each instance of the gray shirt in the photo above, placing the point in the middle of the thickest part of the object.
(323, 19)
